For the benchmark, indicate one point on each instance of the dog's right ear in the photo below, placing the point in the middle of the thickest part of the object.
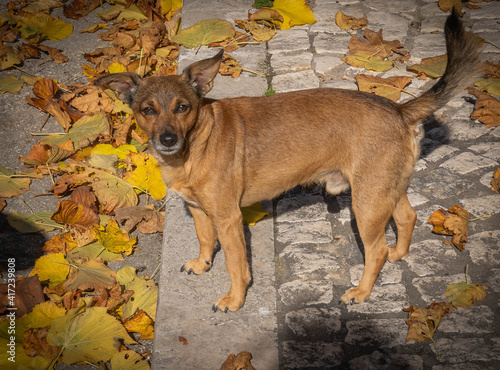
(123, 84)
(201, 74)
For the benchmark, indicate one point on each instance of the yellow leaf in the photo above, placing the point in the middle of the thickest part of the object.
(94, 28)
(107, 149)
(168, 7)
(92, 274)
(489, 85)
(432, 67)
(117, 68)
(347, 22)
(38, 27)
(115, 240)
(10, 84)
(52, 268)
(387, 87)
(11, 186)
(253, 214)
(140, 323)
(43, 314)
(294, 13)
(145, 297)
(129, 360)
(464, 294)
(204, 32)
(91, 335)
(364, 59)
(146, 175)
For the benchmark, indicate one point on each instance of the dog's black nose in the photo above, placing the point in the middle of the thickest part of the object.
(168, 139)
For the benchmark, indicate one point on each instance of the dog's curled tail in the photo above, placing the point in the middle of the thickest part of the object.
(462, 68)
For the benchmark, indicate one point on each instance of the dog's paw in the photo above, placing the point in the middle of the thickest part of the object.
(355, 295)
(228, 303)
(394, 255)
(196, 266)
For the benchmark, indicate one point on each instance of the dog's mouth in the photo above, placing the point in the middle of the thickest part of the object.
(168, 143)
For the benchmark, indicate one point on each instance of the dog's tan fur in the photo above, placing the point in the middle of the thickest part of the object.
(223, 154)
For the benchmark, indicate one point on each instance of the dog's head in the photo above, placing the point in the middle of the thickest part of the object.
(166, 107)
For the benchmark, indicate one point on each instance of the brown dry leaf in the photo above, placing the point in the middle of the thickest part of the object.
(491, 70)
(347, 22)
(387, 87)
(495, 183)
(266, 14)
(238, 362)
(45, 90)
(91, 100)
(454, 223)
(3, 204)
(486, 109)
(448, 5)
(44, 154)
(123, 40)
(464, 294)
(71, 213)
(55, 54)
(230, 66)
(63, 185)
(28, 294)
(150, 37)
(424, 322)
(375, 44)
(183, 341)
(35, 343)
(146, 219)
(433, 67)
(80, 8)
(60, 243)
(259, 33)
(85, 196)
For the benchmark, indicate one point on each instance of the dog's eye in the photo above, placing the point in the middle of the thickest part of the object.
(148, 111)
(182, 108)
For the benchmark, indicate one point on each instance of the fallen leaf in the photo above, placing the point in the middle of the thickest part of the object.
(74, 214)
(44, 154)
(146, 219)
(52, 268)
(204, 32)
(448, 5)
(38, 27)
(10, 84)
(32, 222)
(347, 22)
(12, 185)
(129, 360)
(80, 8)
(141, 324)
(83, 132)
(294, 13)
(364, 59)
(423, 322)
(94, 28)
(464, 294)
(489, 85)
(491, 69)
(238, 362)
(486, 109)
(183, 341)
(91, 335)
(60, 243)
(454, 223)
(259, 33)
(43, 313)
(375, 44)
(111, 191)
(145, 297)
(145, 175)
(41, 5)
(254, 213)
(63, 185)
(432, 67)
(90, 275)
(495, 183)
(28, 293)
(114, 239)
(230, 66)
(387, 87)
(151, 37)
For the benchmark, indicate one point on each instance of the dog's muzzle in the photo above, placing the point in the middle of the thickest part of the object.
(168, 143)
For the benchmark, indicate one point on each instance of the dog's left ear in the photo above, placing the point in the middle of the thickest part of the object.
(123, 84)
(201, 74)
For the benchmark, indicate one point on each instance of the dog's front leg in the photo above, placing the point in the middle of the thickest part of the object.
(232, 239)
(207, 237)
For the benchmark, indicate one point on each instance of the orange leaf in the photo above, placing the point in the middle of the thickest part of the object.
(71, 213)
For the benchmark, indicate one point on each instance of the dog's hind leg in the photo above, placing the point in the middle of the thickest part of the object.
(405, 218)
(207, 237)
(372, 213)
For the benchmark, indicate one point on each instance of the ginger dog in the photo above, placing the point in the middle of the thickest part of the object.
(223, 154)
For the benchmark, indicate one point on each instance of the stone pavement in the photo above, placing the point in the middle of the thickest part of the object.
(306, 255)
